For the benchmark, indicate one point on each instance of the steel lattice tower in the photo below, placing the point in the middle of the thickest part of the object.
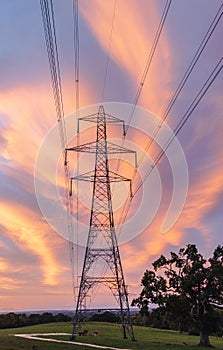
(102, 227)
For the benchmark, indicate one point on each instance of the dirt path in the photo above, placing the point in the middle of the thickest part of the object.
(37, 337)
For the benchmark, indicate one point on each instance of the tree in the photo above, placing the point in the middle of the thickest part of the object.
(188, 287)
(106, 316)
(47, 317)
(34, 319)
(23, 320)
(62, 318)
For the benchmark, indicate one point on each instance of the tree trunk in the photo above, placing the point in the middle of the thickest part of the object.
(204, 340)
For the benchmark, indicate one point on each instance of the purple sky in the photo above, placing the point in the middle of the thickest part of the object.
(35, 271)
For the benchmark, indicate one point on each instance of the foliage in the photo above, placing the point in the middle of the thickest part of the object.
(189, 288)
(106, 316)
(162, 319)
(12, 320)
(140, 320)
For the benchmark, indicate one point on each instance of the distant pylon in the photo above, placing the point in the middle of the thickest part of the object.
(102, 240)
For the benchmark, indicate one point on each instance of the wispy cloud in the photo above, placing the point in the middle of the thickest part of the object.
(30, 249)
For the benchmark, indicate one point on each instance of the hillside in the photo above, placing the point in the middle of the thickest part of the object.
(109, 335)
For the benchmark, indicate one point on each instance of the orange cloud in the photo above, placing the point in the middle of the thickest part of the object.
(30, 233)
(3, 265)
(7, 283)
(132, 39)
(202, 199)
(31, 113)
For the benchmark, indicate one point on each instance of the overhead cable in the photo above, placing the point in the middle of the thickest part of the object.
(186, 75)
(141, 85)
(108, 52)
(53, 57)
(77, 105)
(149, 60)
(179, 126)
(183, 81)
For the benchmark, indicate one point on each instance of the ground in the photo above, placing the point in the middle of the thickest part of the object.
(109, 335)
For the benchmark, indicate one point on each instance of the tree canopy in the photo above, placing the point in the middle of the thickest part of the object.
(188, 286)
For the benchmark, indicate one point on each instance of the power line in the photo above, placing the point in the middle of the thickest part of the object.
(76, 53)
(179, 126)
(143, 78)
(108, 51)
(146, 70)
(53, 58)
(52, 51)
(185, 117)
(141, 85)
(186, 75)
(149, 60)
(77, 103)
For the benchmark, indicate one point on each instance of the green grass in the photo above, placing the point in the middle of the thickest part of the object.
(109, 334)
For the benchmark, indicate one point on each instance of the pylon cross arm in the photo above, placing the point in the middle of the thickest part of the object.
(90, 177)
(92, 147)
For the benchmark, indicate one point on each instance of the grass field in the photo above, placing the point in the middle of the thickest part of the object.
(109, 335)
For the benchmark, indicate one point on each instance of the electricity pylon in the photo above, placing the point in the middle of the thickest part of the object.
(102, 240)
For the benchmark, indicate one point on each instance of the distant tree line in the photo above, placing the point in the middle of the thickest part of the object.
(12, 320)
(106, 316)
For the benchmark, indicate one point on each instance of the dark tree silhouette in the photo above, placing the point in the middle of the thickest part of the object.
(188, 286)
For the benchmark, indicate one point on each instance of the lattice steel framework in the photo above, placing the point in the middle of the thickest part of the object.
(102, 240)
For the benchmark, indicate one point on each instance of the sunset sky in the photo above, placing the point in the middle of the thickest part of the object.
(35, 268)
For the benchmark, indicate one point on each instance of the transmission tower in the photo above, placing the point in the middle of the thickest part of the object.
(102, 240)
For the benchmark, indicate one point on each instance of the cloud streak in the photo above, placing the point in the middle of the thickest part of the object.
(30, 249)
